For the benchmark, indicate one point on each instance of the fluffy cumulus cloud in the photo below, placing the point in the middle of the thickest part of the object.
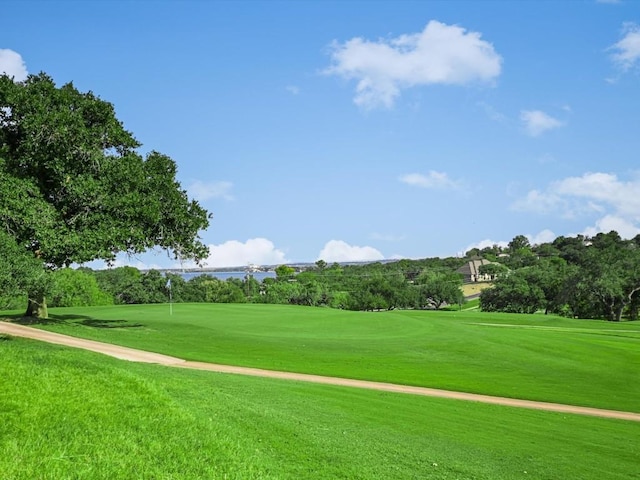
(486, 243)
(626, 52)
(544, 236)
(259, 251)
(432, 179)
(537, 122)
(339, 251)
(139, 264)
(11, 63)
(440, 54)
(624, 227)
(615, 202)
(233, 253)
(206, 190)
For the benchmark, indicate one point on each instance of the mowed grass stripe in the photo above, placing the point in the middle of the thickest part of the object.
(68, 413)
(421, 391)
(130, 354)
(561, 329)
(428, 349)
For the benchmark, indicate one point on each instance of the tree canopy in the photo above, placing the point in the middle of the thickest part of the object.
(597, 277)
(74, 187)
(439, 287)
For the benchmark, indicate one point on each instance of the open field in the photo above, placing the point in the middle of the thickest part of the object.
(67, 413)
(574, 362)
(475, 288)
(135, 355)
(469, 305)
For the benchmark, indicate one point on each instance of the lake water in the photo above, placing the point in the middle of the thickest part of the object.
(259, 276)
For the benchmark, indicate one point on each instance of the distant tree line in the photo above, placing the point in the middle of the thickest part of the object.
(581, 277)
(427, 283)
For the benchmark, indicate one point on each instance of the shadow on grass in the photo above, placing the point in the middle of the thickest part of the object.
(22, 320)
(96, 323)
(70, 319)
(93, 322)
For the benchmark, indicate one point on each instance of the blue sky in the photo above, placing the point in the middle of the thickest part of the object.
(360, 130)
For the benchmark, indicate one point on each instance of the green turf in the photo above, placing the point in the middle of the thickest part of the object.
(579, 362)
(471, 304)
(70, 414)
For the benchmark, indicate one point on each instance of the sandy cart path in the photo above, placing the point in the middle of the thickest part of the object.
(125, 353)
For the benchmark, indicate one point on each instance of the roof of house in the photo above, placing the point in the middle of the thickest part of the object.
(472, 267)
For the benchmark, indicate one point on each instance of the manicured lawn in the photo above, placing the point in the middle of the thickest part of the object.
(579, 362)
(70, 414)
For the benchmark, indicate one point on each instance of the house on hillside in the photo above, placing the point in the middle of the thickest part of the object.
(471, 270)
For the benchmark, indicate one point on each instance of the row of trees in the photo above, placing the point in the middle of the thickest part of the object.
(582, 277)
(596, 277)
(357, 287)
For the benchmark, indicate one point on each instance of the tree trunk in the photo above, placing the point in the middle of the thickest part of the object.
(612, 310)
(37, 307)
(618, 315)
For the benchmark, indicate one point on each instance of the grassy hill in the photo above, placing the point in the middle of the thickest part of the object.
(537, 357)
(71, 414)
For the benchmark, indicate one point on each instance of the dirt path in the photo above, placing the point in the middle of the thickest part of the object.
(134, 355)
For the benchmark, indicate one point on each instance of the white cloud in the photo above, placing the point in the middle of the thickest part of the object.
(339, 251)
(431, 180)
(544, 236)
(616, 202)
(607, 223)
(206, 190)
(440, 54)
(537, 122)
(140, 265)
(11, 63)
(602, 191)
(542, 202)
(259, 251)
(485, 244)
(233, 253)
(627, 50)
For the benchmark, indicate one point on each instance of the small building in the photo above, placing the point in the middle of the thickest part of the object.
(471, 270)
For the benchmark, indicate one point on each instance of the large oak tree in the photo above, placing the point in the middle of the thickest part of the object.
(74, 187)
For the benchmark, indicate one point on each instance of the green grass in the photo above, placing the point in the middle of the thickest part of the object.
(471, 304)
(579, 362)
(71, 414)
